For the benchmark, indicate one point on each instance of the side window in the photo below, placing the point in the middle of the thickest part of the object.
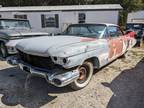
(114, 31)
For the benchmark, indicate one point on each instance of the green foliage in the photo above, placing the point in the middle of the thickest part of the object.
(128, 5)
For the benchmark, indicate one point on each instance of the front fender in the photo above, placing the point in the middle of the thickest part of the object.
(100, 51)
(77, 60)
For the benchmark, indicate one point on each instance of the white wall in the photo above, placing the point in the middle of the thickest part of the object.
(102, 17)
(67, 17)
(6, 14)
(136, 17)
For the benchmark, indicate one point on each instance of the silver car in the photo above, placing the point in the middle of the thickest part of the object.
(12, 31)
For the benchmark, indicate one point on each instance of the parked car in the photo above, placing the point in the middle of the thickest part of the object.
(12, 31)
(70, 58)
(138, 28)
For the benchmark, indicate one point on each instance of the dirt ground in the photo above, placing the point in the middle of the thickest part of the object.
(118, 85)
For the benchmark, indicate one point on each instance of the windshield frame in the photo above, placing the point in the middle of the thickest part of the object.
(88, 27)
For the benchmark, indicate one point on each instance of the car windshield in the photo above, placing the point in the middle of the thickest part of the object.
(14, 24)
(86, 30)
(135, 26)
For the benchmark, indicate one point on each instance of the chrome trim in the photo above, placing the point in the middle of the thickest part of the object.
(51, 75)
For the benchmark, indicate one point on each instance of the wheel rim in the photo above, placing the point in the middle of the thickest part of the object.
(84, 73)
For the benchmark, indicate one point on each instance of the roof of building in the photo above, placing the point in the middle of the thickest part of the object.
(62, 8)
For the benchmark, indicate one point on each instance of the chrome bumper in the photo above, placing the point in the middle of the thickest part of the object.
(56, 77)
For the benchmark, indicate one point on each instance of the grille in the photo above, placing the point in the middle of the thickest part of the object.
(37, 61)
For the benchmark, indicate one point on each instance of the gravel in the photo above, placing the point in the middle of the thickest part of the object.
(118, 85)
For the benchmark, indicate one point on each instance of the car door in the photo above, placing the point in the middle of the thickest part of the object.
(115, 42)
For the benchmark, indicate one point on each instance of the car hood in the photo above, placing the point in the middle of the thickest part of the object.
(21, 32)
(61, 46)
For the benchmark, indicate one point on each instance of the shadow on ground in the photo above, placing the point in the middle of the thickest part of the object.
(32, 92)
(128, 88)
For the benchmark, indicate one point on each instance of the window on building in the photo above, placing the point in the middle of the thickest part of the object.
(50, 20)
(20, 16)
(82, 17)
(0, 16)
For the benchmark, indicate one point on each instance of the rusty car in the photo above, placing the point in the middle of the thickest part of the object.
(71, 57)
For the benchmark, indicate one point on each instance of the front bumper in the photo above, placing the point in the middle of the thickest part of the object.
(56, 77)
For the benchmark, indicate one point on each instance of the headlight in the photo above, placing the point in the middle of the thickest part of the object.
(11, 50)
(60, 60)
(64, 60)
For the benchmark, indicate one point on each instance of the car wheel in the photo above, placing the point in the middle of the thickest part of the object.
(3, 50)
(86, 72)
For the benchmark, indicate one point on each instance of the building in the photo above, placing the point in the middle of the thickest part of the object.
(55, 19)
(136, 17)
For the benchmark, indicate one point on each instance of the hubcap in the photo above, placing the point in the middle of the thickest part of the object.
(84, 73)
